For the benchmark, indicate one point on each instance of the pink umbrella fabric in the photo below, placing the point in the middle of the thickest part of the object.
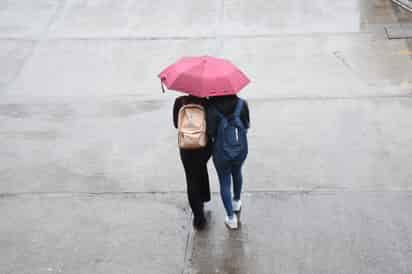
(204, 76)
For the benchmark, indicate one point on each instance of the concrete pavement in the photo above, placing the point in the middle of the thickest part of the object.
(90, 179)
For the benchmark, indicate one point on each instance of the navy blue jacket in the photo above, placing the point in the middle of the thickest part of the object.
(225, 105)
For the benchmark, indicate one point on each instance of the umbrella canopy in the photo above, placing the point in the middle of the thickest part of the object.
(204, 76)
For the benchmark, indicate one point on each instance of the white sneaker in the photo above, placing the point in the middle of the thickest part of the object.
(231, 223)
(237, 206)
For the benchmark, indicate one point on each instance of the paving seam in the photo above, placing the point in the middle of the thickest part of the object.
(335, 98)
(150, 193)
(13, 98)
(179, 38)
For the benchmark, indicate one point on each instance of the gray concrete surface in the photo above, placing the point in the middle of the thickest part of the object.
(65, 233)
(346, 65)
(90, 178)
(296, 144)
(328, 232)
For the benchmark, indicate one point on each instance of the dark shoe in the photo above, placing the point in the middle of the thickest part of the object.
(199, 223)
(205, 200)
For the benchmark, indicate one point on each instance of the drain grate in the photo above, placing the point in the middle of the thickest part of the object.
(406, 4)
(399, 31)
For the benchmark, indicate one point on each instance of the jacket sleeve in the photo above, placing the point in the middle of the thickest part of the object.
(245, 115)
(176, 107)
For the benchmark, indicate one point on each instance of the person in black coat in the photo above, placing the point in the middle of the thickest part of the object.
(195, 166)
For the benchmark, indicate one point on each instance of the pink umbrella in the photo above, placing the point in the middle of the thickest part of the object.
(204, 76)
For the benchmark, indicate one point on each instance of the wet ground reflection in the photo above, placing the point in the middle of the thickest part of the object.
(219, 250)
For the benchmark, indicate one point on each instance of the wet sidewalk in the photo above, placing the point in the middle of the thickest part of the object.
(90, 178)
(281, 232)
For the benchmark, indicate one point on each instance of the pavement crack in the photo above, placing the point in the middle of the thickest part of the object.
(54, 17)
(342, 59)
(23, 62)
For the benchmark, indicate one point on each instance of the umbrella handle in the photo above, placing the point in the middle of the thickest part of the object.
(162, 78)
(163, 88)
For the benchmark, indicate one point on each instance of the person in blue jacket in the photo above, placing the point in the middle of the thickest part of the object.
(227, 124)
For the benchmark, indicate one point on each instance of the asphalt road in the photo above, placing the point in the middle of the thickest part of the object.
(90, 178)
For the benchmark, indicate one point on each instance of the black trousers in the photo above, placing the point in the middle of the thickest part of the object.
(197, 178)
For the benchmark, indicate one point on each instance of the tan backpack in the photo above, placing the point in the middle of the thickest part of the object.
(192, 127)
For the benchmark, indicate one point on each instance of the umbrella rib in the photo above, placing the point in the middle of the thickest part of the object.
(202, 80)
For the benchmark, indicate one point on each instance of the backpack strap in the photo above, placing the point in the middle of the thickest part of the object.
(238, 108)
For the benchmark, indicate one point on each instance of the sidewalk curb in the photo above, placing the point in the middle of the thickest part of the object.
(188, 249)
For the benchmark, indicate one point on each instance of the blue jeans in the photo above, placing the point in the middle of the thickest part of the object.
(225, 174)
